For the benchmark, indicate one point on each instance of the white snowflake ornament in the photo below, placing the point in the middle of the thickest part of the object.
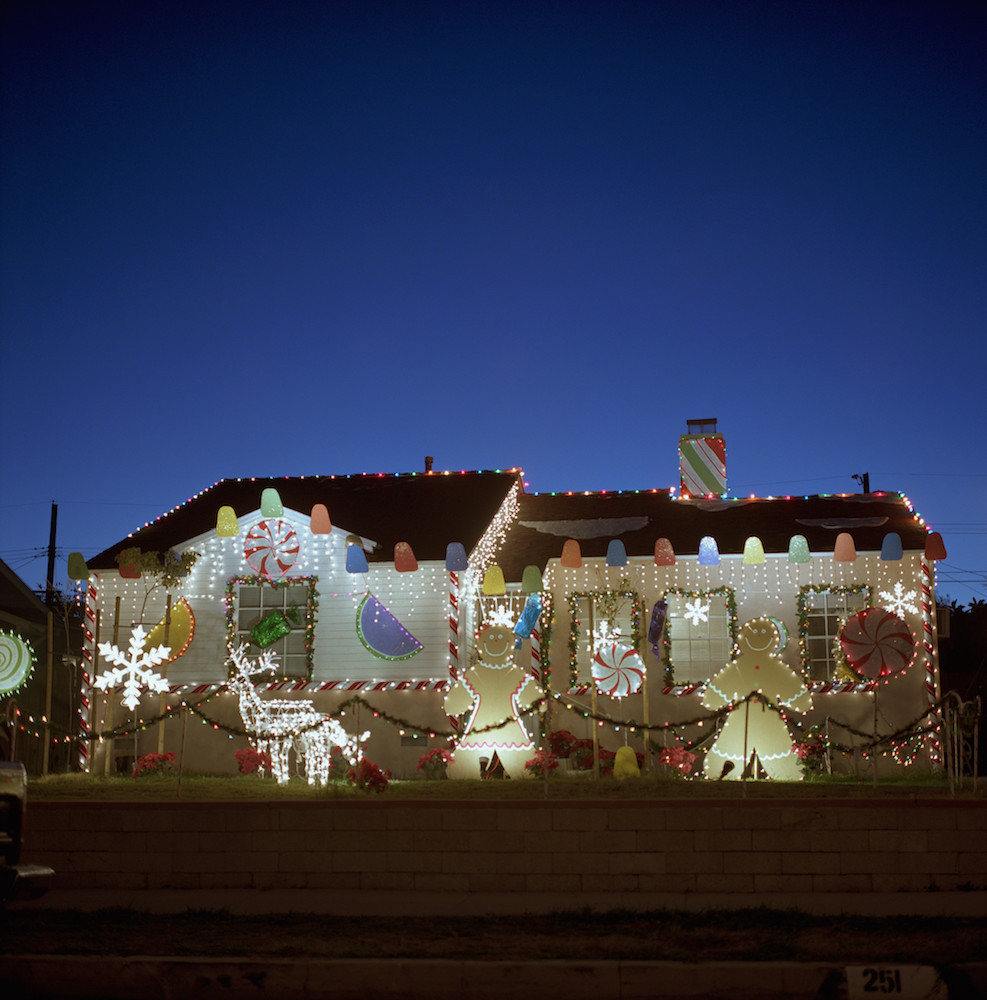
(899, 601)
(133, 668)
(501, 616)
(696, 611)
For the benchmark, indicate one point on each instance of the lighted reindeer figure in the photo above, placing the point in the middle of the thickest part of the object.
(281, 725)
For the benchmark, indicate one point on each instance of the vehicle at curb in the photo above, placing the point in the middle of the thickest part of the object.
(17, 880)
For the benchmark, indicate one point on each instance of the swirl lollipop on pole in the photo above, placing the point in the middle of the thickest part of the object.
(877, 643)
(618, 670)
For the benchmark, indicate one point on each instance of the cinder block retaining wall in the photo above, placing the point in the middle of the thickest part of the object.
(536, 855)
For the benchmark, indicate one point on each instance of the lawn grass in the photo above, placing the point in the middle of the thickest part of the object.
(199, 788)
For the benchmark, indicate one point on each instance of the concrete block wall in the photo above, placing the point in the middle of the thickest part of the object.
(535, 855)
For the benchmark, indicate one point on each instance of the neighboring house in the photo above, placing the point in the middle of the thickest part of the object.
(51, 689)
(375, 587)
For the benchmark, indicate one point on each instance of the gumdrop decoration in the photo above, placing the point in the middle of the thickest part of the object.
(531, 582)
(493, 581)
(798, 550)
(404, 558)
(844, 550)
(356, 559)
(78, 570)
(572, 556)
(753, 551)
(891, 549)
(456, 561)
(320, 523)
(270, 503)
(227, 525)
(664, 553)
(935, 548)
(616, 553)
(709, 554)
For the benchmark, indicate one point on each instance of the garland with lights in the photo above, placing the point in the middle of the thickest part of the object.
(311, 608)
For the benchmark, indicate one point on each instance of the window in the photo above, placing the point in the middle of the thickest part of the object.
(700, 634)
(822, 614)
(257, 602)
(614, 611)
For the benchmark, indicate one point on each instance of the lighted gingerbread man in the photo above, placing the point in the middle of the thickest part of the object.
(757, 667)
(496, 688)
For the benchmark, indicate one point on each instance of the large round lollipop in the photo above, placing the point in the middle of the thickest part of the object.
(617, 670)
(877, 643)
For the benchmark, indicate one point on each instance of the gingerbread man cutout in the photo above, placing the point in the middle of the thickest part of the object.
(495, 688)
(757, 667)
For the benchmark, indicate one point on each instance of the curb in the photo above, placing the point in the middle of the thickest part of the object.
(151, 977)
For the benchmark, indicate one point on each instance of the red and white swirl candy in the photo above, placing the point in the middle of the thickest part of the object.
(877, 643)
(617, 670)
(271, 548)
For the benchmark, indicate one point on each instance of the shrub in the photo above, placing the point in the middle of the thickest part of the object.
(153, 763)
(542, 764)
(678, 758)
(561, 743)
(251, 760)
(812, 756)
(433, 763)
(368, 777)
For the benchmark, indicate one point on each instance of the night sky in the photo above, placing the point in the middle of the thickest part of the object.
(262, 239)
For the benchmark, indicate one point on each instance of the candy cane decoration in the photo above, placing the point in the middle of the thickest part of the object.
(536, 654)
(453, 638)
(931, 681)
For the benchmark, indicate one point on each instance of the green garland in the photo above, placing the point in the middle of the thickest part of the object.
(731, 602)
(311, 609)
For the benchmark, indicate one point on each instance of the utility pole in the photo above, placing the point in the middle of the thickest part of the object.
(50, 577)
(864, 479)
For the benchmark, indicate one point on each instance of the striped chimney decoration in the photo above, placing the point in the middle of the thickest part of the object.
(703, 460)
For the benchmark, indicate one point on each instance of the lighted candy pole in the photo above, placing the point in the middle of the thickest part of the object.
(756, 728)
(495, 690)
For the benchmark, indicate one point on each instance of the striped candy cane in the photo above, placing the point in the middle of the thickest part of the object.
(453, 639)
(88, 671)
(931, 685)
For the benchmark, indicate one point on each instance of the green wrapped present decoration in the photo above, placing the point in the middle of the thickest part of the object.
(268, 630)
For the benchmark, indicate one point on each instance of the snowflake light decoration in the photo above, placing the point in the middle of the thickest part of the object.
(133, 668)
(501, 616)
(604, 633)
(900, 600)
(696, 611)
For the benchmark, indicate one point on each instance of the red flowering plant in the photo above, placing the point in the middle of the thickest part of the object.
(542, 764)
(339, 766)
(561, 743)
(153, 763)
(811, 753)
(368, 776)
(433, 763)
(251, 760)
(582, 757)
(678, 758)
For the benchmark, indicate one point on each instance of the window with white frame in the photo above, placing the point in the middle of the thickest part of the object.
(597, 617)
(823, 613)
(275, 618)
(699, 635)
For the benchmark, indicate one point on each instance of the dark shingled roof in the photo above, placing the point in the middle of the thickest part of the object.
(427, 510)
(638, 519)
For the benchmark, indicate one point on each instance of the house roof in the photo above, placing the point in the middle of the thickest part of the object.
(20, 607)
(639, 519)
(427, 510)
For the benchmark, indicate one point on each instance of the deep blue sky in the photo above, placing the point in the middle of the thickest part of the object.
(252, 239)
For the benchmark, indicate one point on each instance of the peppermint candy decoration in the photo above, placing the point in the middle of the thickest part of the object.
(271, 548)
(617, 670)
(16, 660)
(877, 643)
